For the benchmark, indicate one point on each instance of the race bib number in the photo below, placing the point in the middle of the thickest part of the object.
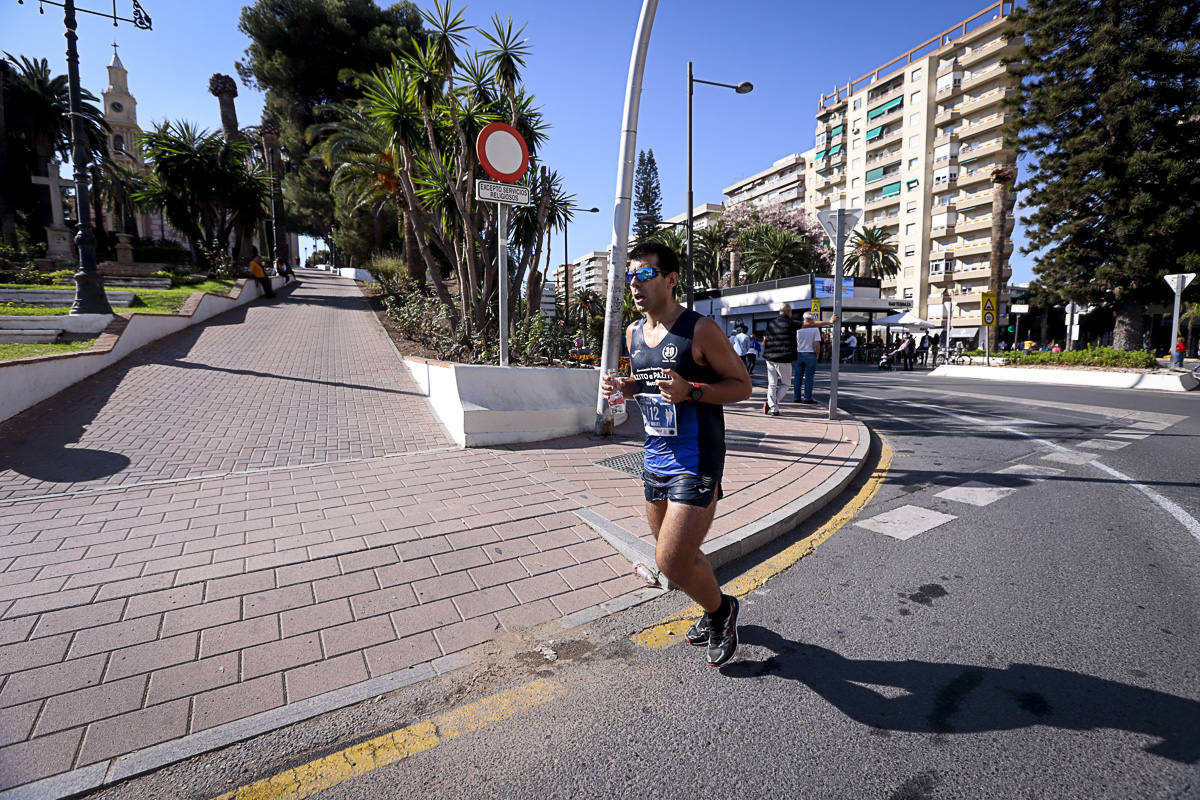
(658, 415)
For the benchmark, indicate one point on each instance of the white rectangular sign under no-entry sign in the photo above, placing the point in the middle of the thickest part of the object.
(508, 193)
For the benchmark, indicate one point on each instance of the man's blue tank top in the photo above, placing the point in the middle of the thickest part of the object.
(699, 447)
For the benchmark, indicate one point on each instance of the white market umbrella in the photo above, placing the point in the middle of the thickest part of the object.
(905, 319)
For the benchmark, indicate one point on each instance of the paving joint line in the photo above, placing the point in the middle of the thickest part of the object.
(126, 487)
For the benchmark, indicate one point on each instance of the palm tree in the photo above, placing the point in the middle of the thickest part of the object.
(712, 248)
(871, 254)
(1003, 177)
(37, 126)
(770, 253)
(202, 184)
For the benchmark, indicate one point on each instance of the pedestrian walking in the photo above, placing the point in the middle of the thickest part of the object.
(683, 371)
(908, 351)
(1180, 352)
(259, 274)
(741, 346)
(779, 351)
(808, 344)
(923, 349)
(755, 351)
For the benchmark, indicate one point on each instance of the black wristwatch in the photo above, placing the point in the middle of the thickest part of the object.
(696, 393)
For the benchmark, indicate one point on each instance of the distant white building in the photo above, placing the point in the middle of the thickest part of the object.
(782, 182)
(702, 216)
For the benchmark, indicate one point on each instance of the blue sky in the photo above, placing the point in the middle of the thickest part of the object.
(790, 51)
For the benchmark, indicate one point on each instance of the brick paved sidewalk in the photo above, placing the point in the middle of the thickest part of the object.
(263, 509)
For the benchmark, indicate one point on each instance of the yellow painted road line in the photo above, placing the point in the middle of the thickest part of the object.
(324, 773)
(669, 630)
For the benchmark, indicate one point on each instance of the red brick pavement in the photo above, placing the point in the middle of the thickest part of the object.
(288, 519)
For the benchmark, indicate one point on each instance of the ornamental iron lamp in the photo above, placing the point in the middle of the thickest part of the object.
(89, 289)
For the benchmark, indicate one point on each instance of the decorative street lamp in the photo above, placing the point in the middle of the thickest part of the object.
(742, 88)
(89, 289)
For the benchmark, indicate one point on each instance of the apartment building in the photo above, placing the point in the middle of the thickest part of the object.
(782, 183)
(586, 272)
(914, 144)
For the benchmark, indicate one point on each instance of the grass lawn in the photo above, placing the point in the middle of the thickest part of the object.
(168, 301)
(14, 310)
(146, 301)
(10, 351)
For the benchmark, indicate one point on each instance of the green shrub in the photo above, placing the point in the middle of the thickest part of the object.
(1091, 357)
(390, 273)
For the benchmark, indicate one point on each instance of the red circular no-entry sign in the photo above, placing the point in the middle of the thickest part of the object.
(502, 152)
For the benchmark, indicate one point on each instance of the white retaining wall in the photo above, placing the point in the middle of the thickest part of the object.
(484, 405)
(26, 382)
(71, 323)
(1164, 381)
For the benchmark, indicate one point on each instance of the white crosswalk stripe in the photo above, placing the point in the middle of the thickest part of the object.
(976, 493)
(905, 522)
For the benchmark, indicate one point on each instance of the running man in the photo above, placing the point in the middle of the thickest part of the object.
(684, 370)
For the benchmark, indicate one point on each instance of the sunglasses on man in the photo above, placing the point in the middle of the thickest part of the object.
(642, 274)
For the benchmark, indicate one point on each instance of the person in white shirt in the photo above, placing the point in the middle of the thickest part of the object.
(741, 346)
(808, 340)
(851, 344)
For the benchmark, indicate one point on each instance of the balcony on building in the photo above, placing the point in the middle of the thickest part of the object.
(886, 112)
(947, 114)
(943, 222)
(886, 196)
(984, 74)
(987, 98)
(944, 154)
(884, 135)
(941, 269)
(886, 92)
(995, 46)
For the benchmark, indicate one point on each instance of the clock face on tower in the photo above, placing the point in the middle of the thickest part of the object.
(116, 106)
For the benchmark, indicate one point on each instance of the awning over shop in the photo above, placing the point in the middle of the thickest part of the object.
(963, 333)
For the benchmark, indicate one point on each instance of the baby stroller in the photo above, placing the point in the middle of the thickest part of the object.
(885, 361)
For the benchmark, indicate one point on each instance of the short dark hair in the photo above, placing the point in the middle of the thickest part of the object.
(666, 261)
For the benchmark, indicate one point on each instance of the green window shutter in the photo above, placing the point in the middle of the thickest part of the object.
(820, 155)
(874, 174)
(837, 130)
(833, 151)
(969, 160)
(874, 133)
(913, 183)
(885, 108)
(891, 190)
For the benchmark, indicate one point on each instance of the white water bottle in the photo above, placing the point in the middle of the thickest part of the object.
(616, 400)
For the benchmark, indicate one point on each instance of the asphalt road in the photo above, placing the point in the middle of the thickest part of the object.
(1038, 639)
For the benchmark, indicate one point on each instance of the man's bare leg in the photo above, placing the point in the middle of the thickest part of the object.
(679, 530)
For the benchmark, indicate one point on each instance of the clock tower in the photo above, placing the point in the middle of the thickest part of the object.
(120, 112)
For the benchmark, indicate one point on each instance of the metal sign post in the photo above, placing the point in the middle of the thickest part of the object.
(504, 155)
(837, 224)
(1178, 282)
(988, 306)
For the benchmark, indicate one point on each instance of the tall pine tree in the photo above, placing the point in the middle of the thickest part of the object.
(647, 196)
(1109, 114)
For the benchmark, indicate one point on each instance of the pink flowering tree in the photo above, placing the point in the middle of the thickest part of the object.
(747, 226)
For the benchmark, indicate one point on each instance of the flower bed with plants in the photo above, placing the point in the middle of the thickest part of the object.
(1094, 357)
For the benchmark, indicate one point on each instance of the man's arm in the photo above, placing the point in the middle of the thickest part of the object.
(829, 324)
(709, 346)
(627, 386)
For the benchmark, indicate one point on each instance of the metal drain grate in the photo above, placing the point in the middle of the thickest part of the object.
(629, 463)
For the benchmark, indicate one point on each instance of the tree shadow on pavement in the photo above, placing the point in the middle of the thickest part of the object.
(947, 698)
(47, 457)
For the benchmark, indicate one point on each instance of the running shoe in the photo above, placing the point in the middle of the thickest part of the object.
(697, 635)
(723, 639)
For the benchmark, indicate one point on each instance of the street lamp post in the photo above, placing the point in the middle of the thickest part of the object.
(742, 88)
(567, 257)
(89, 289)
